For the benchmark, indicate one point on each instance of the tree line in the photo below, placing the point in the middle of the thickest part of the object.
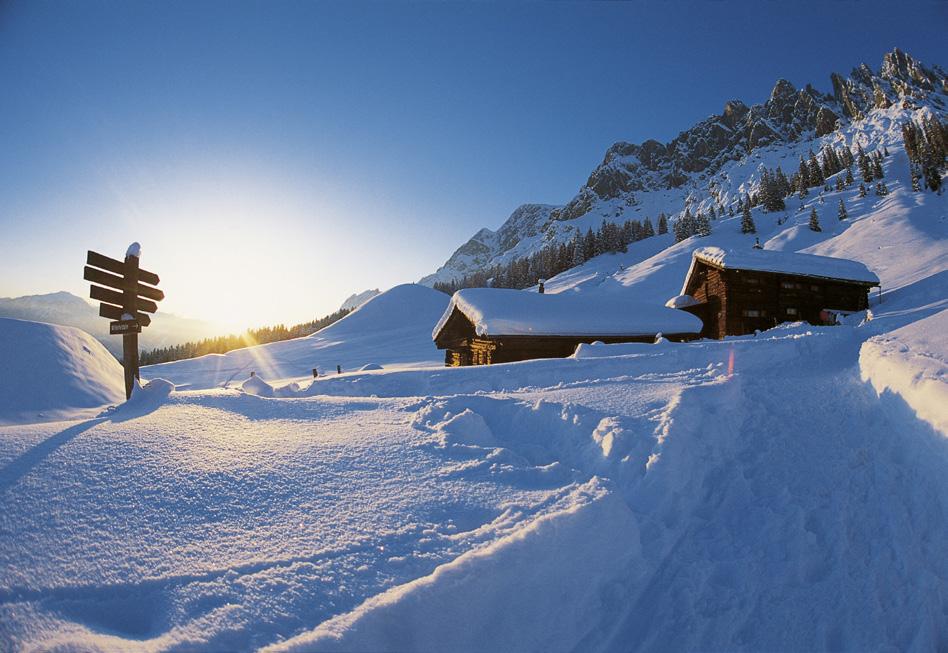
(558, 257)
(224, 344)
(926, 146)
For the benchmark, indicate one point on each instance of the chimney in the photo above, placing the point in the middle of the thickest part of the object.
(541, 282)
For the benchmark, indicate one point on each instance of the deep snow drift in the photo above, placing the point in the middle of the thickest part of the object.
(389, 329)
(53, 372)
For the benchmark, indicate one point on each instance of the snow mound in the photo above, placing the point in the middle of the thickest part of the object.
(53, 372)
(257, 386)
(912, 362)
(369, 367)
(391, 329)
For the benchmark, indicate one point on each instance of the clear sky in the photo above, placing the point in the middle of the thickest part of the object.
(274, 157)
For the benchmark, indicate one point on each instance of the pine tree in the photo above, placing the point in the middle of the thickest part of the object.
(816, 174)
(648, 230)
(814, 220)
(862, 190)
(747, 221)
(877, 168)
(662, 223)
(842, 210)
(916, 178)
(712, 214)
(865, 166)
(702, 225)
(849, 176)
(839, 183)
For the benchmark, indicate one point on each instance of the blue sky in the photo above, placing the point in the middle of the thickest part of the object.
(273, 157)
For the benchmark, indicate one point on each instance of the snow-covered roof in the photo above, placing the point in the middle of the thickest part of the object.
(682, 301)
(767, 260)
(503, 312)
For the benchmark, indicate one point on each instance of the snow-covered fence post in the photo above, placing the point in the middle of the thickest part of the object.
(338, 369)
(315, 373)
(126, 299)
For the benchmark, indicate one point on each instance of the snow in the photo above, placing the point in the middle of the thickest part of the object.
(54, 372)
(784, 491)
(681, 301)
(135, 250)
(912, 362)
(503, 312)
(390, 329)
(762, 260)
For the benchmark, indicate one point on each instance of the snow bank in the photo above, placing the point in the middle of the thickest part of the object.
(912, 362)
(504, 312)
(540, 589)
(53, 372)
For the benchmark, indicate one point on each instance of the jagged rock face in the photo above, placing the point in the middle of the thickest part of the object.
(901, 77)
(789, 114)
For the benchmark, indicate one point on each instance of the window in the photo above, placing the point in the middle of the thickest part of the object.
(753, 312)
(792, 311)
(790, 285)
(753, 281)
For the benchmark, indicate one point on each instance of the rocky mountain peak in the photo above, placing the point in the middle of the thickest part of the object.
(627, 169)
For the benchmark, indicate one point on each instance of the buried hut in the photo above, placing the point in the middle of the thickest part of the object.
(740, 292)
(491, 325)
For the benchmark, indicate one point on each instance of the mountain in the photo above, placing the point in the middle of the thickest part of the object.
(66, 309)
(356, 300)
(704, 164)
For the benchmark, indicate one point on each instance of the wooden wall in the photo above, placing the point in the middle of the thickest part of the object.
(737, 302)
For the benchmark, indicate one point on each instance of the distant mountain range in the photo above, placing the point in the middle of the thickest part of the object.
(701, 163)
(66, 309)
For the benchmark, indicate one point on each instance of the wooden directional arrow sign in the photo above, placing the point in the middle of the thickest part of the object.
(127, 294)
(124, 326)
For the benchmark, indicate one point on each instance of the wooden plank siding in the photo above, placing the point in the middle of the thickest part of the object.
(737, 302)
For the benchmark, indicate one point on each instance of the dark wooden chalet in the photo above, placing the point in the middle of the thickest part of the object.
(482, 326)
(739, 292)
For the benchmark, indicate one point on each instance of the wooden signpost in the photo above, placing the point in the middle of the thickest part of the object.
(128, 294)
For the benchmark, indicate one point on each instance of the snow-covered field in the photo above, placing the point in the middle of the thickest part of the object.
(787, 491)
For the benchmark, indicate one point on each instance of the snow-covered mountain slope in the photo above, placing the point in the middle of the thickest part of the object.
(392, 328)
(53, 372)
(66, 309)
(716, 161)
(902, 236)
(522, 233)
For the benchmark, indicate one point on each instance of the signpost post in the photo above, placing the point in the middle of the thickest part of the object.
(128, 294)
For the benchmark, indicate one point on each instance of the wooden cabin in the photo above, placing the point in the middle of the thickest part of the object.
(482, 326)
(740, 292)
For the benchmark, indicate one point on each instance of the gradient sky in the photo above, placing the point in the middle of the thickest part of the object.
(274, 157)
